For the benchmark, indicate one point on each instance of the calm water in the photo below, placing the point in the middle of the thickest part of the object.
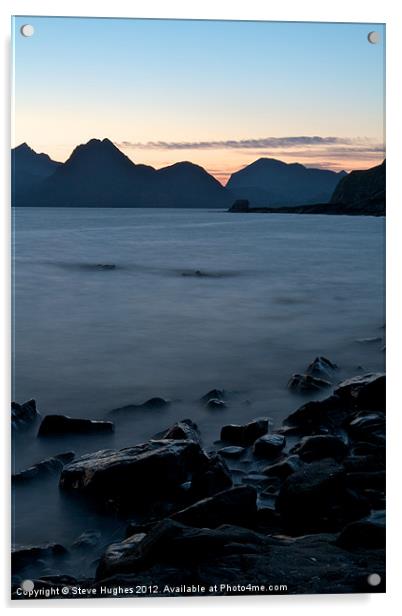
(274, 292)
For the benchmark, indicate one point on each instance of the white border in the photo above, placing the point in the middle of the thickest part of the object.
(388, 11)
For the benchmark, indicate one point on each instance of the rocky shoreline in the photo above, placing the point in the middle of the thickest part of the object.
(300, 509)
(372, 207)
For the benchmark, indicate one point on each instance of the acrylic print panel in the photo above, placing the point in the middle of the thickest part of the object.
(198, 287)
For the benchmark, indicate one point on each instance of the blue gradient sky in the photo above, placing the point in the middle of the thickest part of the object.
(170, 90)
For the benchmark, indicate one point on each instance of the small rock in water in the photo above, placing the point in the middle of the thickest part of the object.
(218, 394)
(105, 266)
(44, 468)
(320, 446)
(321, 367)
(305, 383)
(23, 414)
(246, 434)
(185, 429)
(87, 539)
(62, 424)
(232, 451)
(269, 446)
(215, 403)
(152, 403)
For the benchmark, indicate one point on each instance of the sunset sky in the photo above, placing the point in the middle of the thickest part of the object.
(220, 94)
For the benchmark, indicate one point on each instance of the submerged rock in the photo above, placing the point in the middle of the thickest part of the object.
(245, 435)
(240, 205)
(23, 414)
(317, 447)
(269, 446)
(44, 468)
(305, 383)
(215, 403)
(152, 403)
(217, 394)
(132, 477)
(62, 424)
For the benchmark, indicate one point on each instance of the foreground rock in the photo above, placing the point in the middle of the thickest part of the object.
(211, 476)
(49, 466)
(234, 506)
(177, 543)
(62, 424)
(269, 446)
(317, 497)
(131, 477)
(365, 392)
(27, 555)
(366, 533)
(312, 448)
(245, 435)
(305, 383)
(23, 414)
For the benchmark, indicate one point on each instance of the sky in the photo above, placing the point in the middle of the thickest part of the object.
(218, 93)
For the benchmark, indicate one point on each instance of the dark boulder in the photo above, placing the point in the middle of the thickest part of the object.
(305, 383)
(131, 477)
(23, 414)
(284, 468)
(366, 533)
(319, 416)
(366, 392)
(269, 446)
(210, 477)
(62, 424)
(233, 506)
(368, 427)
(174, 543)
(320, 446)
(24, 556)
(322, 368)
(245, 435)
(317, 497)
(46, 467)
(185, 429)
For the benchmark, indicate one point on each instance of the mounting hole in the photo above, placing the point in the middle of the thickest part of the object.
(27, 585)
(27, 30)
(373, 37)
(374, 579)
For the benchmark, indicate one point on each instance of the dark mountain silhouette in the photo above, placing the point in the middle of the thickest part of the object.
(98, 174)
(362, 189)
(271, 182)
(28, 170)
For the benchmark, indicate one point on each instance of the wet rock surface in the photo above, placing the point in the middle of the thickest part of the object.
(305, 510)
(23, 414)
(46, 467)
(62, 424)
